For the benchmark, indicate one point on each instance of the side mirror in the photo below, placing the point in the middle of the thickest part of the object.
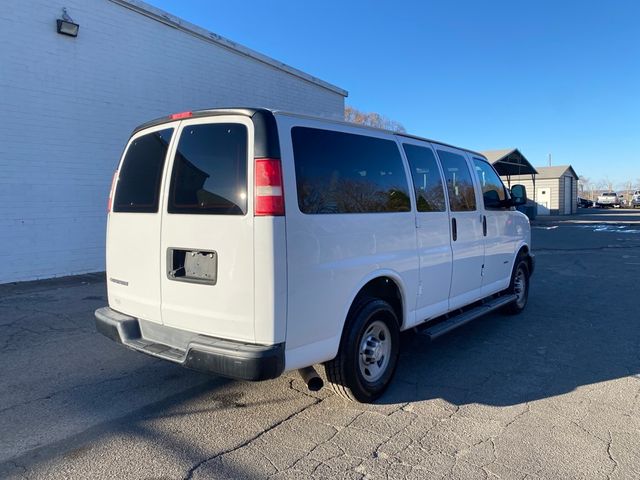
(518, 195)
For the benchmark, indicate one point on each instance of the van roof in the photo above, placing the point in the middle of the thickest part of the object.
(251, 112)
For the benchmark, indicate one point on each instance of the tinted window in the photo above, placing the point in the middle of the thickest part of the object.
(493, 192)
(141, 172)
(344, 173)
(427, 181)
(459, 184)
(210, 170)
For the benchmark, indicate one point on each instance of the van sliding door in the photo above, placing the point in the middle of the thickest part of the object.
(500, 229)
(466, 224)
(432, 228)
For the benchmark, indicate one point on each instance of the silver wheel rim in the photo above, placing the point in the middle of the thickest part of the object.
(520, 288)
(375, 351)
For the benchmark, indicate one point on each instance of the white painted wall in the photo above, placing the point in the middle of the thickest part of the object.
(69, 104)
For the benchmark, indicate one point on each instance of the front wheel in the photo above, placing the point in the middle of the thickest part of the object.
(368, 353)
(519, 287)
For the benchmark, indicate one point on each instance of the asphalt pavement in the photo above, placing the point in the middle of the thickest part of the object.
(551, 393)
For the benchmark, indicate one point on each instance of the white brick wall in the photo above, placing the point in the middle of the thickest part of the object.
(68, 105)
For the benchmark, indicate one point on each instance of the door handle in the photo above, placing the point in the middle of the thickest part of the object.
(484, 225)
(454, 229)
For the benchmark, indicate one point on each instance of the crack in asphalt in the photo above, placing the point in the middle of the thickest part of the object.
(309, 456)
(615, 462)
(192, 470)
(518, 416)
(64, 391)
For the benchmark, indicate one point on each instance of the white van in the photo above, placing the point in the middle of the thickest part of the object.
(250, 242)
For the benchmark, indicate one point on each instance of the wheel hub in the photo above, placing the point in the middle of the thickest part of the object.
(375, 351)
(520, 287)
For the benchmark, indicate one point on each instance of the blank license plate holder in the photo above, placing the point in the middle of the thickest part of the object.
(193, 266)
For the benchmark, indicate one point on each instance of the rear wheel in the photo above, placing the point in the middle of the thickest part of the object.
(368, 353)
(519, 287)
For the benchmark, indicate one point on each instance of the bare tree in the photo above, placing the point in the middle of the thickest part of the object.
(583, 184)
(585, 187)
(372, 119)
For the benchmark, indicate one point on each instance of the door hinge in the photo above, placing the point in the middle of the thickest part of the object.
(482, 271)
(420, 288)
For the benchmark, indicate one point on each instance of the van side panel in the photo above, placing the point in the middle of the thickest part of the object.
(270, 291)
(330, 255)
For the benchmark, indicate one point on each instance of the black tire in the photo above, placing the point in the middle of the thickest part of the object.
(519, 286)
(368, 353)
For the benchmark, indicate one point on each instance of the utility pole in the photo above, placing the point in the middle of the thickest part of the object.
(549, 159)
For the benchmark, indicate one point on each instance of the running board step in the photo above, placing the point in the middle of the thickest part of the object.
(452, 323)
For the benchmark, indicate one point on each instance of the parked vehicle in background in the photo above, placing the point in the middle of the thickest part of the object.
(584, 203)
(635, 200)
(608, 199)
(622, 200)
(248, 242)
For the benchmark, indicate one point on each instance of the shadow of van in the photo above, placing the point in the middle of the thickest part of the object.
(580, 328)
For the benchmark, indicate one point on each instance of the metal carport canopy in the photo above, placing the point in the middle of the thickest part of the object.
(509, 162)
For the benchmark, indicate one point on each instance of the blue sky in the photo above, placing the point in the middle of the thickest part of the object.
(559, 77)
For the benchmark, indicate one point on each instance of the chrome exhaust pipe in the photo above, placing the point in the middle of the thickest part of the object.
(311, 378)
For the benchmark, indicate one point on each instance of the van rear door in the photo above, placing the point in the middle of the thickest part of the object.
(133, 228)
(207, 241)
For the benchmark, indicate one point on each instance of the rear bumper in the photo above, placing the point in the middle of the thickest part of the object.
(206, 354)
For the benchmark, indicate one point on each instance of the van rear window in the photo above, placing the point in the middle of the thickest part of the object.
(340, 172)
(210, 170)
(141, 173)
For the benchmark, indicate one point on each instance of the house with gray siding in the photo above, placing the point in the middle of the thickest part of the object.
(550, 190)
(555, 190)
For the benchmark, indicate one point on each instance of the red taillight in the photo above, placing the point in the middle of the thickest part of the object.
(177, 116)
(269, 194)
(113, 187)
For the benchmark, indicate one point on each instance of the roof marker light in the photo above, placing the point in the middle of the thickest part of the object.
(177, 116)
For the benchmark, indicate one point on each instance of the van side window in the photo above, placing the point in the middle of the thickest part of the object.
(493, 191)
(139, 178)
(210, 170)
(340, 172)
(427, 181)
(462, 196)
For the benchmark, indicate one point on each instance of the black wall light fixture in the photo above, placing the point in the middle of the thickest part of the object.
(66, 26)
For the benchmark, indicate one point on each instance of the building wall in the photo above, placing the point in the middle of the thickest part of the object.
(551, 184)
(69, 104)
(556, 187)
(573, 195)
